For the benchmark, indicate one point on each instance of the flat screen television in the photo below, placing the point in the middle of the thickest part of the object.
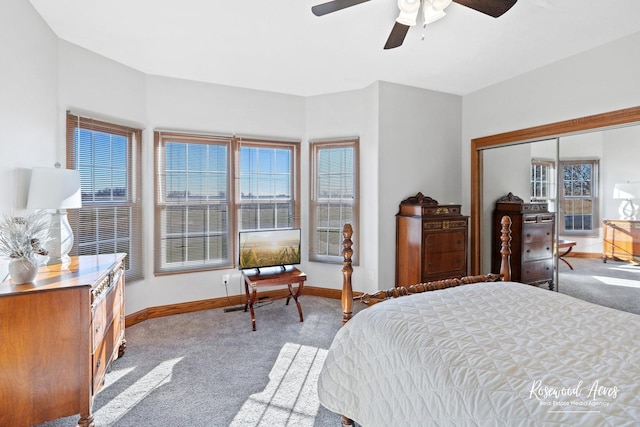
(268, 248)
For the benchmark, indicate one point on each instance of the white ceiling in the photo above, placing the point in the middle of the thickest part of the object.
(280, 46)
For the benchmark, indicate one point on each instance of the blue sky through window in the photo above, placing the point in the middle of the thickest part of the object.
(103, 164)
(196, 171)
(265, 173)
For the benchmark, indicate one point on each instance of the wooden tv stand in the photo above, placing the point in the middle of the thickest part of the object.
(270, 277)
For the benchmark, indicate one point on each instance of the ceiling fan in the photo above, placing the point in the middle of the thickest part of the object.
(432, 10)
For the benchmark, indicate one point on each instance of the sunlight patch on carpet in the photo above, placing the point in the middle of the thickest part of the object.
(290, 398)
(116, 408)
(629, 268)
(114, 376)
(618, 282)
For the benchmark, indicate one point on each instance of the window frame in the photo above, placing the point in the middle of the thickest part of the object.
(162, 205)
(550, 182)
(134, 262)
(594, 197)
(315, 146)
(234, 203)
(294, 148)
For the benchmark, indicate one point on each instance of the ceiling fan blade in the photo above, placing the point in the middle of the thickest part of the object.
(493, 8)
(333, 6)
(398, 33)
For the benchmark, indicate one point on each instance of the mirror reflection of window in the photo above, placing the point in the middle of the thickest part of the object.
(579, 197)
(543, 182)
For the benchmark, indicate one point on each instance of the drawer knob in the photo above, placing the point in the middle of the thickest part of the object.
(99, 362)
(97, 329)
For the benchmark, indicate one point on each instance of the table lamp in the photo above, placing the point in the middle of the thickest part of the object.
(627, 192)
(56, 189)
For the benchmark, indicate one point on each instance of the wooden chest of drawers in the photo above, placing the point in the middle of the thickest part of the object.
(532, 239)
(621, 240)
(58, 337)
(431, 241)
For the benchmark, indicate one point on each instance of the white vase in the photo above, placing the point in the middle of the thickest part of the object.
(22, 270)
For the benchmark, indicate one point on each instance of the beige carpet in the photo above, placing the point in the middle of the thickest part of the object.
(210, 369)
(613, 284)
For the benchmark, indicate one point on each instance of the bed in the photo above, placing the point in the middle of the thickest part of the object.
(481, 351)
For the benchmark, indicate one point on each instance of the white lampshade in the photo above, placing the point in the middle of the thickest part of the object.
(57, 189)
(627, 191)
(54, 188)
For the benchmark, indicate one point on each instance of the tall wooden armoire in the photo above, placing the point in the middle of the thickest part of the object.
(431, 241)
(532, 240)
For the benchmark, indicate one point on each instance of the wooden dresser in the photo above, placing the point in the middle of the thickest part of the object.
(58, 336)
(532, 240)
(431, 241)
(621, 240)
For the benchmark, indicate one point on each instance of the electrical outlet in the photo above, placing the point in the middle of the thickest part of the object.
(225, 279)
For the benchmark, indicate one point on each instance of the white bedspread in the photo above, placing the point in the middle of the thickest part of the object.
(487, 354)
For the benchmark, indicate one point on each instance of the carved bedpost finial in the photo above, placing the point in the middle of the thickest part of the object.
(347, 270)
(505, 248)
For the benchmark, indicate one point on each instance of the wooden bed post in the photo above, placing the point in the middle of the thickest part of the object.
(347, 290)
(347, 270)
(505, 248)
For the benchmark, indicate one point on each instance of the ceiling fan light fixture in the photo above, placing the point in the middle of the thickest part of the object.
(409, 10)
(432, 10)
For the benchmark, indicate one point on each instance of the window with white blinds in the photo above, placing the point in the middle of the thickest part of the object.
(107, 155)
(193, 202)
(334, 197)
(200, 207)
(266, 197)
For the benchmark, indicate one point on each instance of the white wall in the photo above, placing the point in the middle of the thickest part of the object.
(28, 103)
(419, 152)
(339, 115)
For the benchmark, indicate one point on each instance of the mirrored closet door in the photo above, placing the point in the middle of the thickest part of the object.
(579, 179)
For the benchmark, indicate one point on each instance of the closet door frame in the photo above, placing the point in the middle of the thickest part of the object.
(612, 119)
